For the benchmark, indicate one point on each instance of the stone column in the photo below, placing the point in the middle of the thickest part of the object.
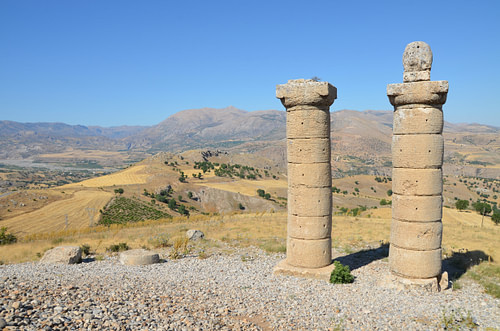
(309, 225)
(417, 159)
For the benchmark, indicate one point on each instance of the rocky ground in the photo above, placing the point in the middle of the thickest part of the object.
(227, 291)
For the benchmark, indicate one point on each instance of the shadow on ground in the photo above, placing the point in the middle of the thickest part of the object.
(456, 265)
(364, 257)
(459, 262)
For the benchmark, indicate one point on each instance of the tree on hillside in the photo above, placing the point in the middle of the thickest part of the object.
(182, 210)
(261, 193)
(496, 218)
(482, 208)
(462, 204)
(172, 204)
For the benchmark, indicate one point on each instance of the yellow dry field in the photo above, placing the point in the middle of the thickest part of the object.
(190, 171)
(248, 187)
(261, 229)
(4, 175)
(129, 176)
(463, 230)
(53, 216)
(385, 213)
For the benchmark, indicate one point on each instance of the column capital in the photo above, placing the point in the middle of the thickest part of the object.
(424, 92)
(306, 92)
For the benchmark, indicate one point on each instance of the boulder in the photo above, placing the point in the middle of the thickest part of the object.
(139, 257)
(195, 234)
(63, 254)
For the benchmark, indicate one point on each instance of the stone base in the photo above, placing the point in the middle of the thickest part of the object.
(283, 268)
(138, 257)
(436, 284)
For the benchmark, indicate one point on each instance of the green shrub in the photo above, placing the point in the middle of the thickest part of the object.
(496, 218)
(118, 248)
(341, 274)
(6, 238)
(456, 320)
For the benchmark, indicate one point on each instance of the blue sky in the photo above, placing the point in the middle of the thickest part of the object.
(123, 62)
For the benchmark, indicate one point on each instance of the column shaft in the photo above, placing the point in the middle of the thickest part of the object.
(309, 171)
(417, 152)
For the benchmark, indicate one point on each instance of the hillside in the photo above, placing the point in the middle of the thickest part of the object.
(361, 141)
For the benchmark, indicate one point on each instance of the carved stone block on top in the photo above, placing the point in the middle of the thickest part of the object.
(306, 92)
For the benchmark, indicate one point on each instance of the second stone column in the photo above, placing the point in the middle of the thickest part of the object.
(417, 150)
(309, 225)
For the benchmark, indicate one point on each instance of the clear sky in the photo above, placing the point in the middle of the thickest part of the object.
(117, 62)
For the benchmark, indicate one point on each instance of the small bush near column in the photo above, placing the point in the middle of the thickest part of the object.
(341, 274)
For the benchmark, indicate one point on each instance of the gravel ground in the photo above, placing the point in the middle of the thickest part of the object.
(227, 291)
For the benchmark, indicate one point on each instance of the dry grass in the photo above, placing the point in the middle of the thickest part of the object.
(265, 230)
(249, 187)
(190, 171)
(462, 230)
(132, 175)
(5, 175)
(53, 216)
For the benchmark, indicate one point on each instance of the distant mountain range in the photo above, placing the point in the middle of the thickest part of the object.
(360, 139)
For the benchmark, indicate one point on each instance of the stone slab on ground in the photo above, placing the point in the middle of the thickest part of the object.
(283, 268)
(139, 257)
(194, 234)
(63, 254)
(390, 280)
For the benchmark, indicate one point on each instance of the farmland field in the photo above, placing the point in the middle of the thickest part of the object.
(53, 216)
(132, 175)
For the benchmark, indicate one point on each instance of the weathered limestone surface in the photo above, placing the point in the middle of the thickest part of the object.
(415, 264)
(138, 257)
(417, 181)
(417, 208)
(310, 201)
(418, 120)
(308, 123)
(312, 228)
(63, 254)
(417, 151)
(309, 176)
(194, 234)
(308, 253)
(416, 235)
(310, 150)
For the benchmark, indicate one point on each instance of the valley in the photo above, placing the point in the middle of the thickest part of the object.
(236, 190)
